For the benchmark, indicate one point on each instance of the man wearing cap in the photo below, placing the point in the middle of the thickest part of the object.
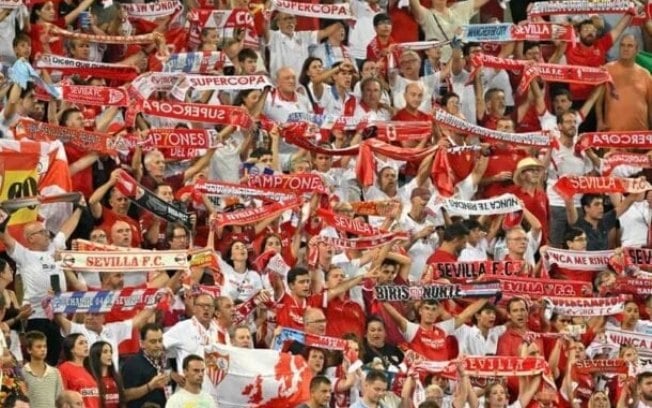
(421, 227)
(528, 187)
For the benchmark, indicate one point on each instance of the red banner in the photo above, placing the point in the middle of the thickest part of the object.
(196, 112)
(299, 183)
(567, 186)
(95, 95)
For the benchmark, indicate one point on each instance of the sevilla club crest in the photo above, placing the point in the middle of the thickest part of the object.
(217, 366)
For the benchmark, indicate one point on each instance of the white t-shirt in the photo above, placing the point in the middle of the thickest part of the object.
(35, 269)
(239, 286)
(474, 253)
(113, 333)
(473, 343)
(185, 399)
(564, 162)
(225, 163)
(363, 31)
(189, 337)
(422, 248)
(289, 51)
(635, 224)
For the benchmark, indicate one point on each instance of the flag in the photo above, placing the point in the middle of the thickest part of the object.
(18, 178)
(258, 378)
(644, 59)
(53, 178)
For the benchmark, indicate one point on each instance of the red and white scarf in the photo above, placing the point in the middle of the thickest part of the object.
(375, 208)
(600, 366)
(253, 215)
(533, 139)
(503, 204)
(365, 242)
(102, 39)
(586, 306)
(70, 66)
(340, 11)
(200, 62)
(567, 186)
(540, 9)
(347, 224)
(196, 112)
(218, 82)
(422, 45)
(640, 341)
(527, 31)
(94, 95)
(616, 140)
(84, 140)
(627, 159)
(476, 269)
(298, 183)
(537, 288)
(578, 74)
(151, 10)
(219, 189)
(578, 260)
(121, 261)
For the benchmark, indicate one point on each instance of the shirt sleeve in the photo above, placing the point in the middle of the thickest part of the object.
(448, 326)
(411, 330)
(173, 338)
(59, 241)
(464, 9)
(122, 330)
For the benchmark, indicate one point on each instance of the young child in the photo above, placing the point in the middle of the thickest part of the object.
(43, 381)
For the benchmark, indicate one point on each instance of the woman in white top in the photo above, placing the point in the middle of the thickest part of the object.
(241, 281)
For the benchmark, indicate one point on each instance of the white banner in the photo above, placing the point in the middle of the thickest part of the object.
(503, 204)
(340, 11)
(120, 261)
(586, 306)
(218, 82)
(578, 260)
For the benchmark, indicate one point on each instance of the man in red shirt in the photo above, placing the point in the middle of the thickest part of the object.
(455, 236)
(344, 314)
(510, 342)
(528, 187)
(413, 98)
(429, 338)
(591, 52)
(497, 178)
(119, 209)
(291, 306)
(490, 108)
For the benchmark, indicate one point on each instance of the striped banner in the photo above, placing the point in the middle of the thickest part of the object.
(107, 301)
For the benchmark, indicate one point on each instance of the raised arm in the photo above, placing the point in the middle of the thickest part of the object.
(398, 318)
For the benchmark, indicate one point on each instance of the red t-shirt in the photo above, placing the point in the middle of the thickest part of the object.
(82, 181)
(440, 256)
(405, 116)
(502, 159)
(592, 56)
(537, 204)
(508, 345)
(110, 217)
(38, 40)
(289, 312)
(430, 343)
(374, 307)
(111, 394)
(76, 378)
(489, 121)
(462, 164)
(344, 316)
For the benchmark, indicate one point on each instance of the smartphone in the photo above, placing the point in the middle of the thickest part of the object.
(55, 283)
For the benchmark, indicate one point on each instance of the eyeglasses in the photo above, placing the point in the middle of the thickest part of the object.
(205, 305)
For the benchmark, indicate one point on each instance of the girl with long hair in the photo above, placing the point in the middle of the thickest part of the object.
(73, 374)
(109, 383)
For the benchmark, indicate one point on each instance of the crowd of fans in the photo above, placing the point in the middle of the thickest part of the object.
(328, 68)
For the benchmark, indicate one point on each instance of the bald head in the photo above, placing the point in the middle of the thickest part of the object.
(36, 236)
(314, 321)
(121, 234)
